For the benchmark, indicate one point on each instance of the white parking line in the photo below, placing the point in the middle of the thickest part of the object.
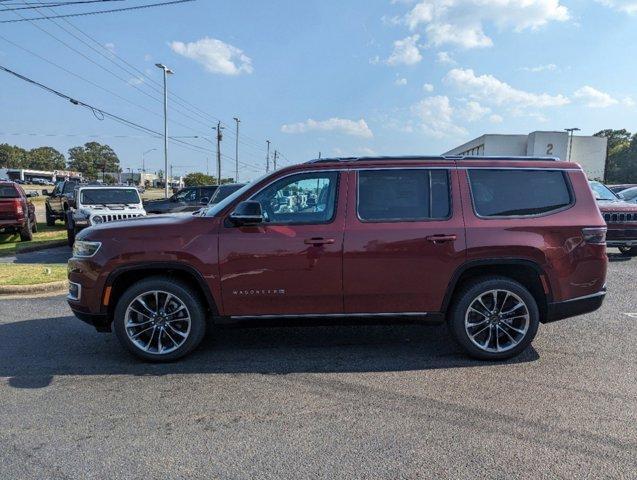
(631, 314)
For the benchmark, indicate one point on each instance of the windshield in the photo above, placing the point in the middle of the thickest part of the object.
(186, 195)
(601, 191)
(630, 194)
(216, 208)
(109, 196)
(8, 191)
(224, 191)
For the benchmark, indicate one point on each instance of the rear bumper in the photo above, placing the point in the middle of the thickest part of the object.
(576, 306)
(12, 223)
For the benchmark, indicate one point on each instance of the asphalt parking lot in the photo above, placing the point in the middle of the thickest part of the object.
(320, 402)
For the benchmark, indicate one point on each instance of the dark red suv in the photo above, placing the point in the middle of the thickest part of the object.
(17, 213)
(492, 246)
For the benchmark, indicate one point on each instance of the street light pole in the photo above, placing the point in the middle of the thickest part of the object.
(143, 159)
(167, 71)
(570, 140)
(219, 138)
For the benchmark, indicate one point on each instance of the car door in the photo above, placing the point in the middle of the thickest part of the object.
(55, 199)
(404, 239)
(291, 264)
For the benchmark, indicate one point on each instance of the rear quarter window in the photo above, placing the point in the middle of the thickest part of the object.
(508, 193)
(8, 191)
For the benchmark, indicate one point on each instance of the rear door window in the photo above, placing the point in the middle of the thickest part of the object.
(8, 191)
(518, 192)
(408, 195)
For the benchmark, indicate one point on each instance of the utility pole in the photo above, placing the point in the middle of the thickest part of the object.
(236, 153)
(267, 158)
(276, 154)
(167, 71)
(319, 155)
(219, 138)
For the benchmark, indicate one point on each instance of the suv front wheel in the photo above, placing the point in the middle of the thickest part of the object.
(160, 319)
(494, 318)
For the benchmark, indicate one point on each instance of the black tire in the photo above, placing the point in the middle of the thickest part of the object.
(628, 251)
(50, 218)
(26, 234)
(34, 225)
(184, 294)
(469, 293)
(70, 236)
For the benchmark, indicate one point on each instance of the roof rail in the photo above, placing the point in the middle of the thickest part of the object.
(435, 157)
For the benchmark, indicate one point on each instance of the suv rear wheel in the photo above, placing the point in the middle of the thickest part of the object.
(50, 218)
(26, 232)
(159, 319)
(494, 318)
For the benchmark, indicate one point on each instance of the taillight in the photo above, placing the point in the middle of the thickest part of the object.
(18, 207)
(594, 235)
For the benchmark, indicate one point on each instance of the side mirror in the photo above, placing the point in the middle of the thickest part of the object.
(46, 193)
(204, 201)
(247, 213)
(30, 194)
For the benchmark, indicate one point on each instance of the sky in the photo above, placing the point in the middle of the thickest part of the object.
(343, 78)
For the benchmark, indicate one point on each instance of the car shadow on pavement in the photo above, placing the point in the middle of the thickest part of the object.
(618, 257)
(34, 351)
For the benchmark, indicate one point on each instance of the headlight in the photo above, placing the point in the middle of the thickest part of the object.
(84, 249)
(96, 219)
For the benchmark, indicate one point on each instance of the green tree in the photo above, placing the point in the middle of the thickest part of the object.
(45, 158)
(93, 158)
(621, 163)
(12, 156)
(196, 179)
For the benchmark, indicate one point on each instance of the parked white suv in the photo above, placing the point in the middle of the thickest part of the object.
(96, 204)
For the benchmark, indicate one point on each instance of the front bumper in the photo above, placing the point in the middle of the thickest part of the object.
(100, 321)
(575, 306)
(621, 237)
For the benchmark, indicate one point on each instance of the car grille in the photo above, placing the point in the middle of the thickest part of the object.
(620, 217)
(119, 216)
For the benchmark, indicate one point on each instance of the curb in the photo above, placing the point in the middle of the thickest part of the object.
(51, 287)
(35, 248)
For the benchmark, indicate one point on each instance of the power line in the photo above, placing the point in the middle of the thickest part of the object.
(113, 10)
(28, 6)
(99, 113)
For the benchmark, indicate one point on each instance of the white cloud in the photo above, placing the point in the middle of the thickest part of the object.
(342, 125)
(428, 87)
(495, 118)
(445, 58)
(626, 6)
(400, 82)
(216, 56)
(549, 67)
(628, 101)
(356, 152)
(489, 89)
(148, 57)
(462, 22)
(435, 117)
(473, 111)
(406, 52)
(594, 98)
(136, 80)
(110, 46)
(374, 60)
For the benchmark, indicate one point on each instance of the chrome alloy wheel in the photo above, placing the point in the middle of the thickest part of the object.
(157, 322)
(497, 321)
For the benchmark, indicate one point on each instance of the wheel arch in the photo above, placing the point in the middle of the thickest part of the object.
(122, 278)
(527, 272)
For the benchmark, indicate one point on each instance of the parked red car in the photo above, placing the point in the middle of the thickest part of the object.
(17, 213)
(491, 246)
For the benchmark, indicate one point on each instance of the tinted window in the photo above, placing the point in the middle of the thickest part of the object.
(8, 191)
(302, 198)
(498, 193)
(601, 191)
(225, 191)
(407, 195)
(208, 192)
(98, 196)
(186, 195)
(629, 194)
(69, 187)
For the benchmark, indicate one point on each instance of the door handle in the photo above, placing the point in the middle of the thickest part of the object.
(442, 238)
(318, 241)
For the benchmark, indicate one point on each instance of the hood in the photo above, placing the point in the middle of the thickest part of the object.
(616, 206)
(150, 227)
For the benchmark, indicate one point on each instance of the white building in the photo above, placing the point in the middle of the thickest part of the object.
(30, 175)
(589, 152)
